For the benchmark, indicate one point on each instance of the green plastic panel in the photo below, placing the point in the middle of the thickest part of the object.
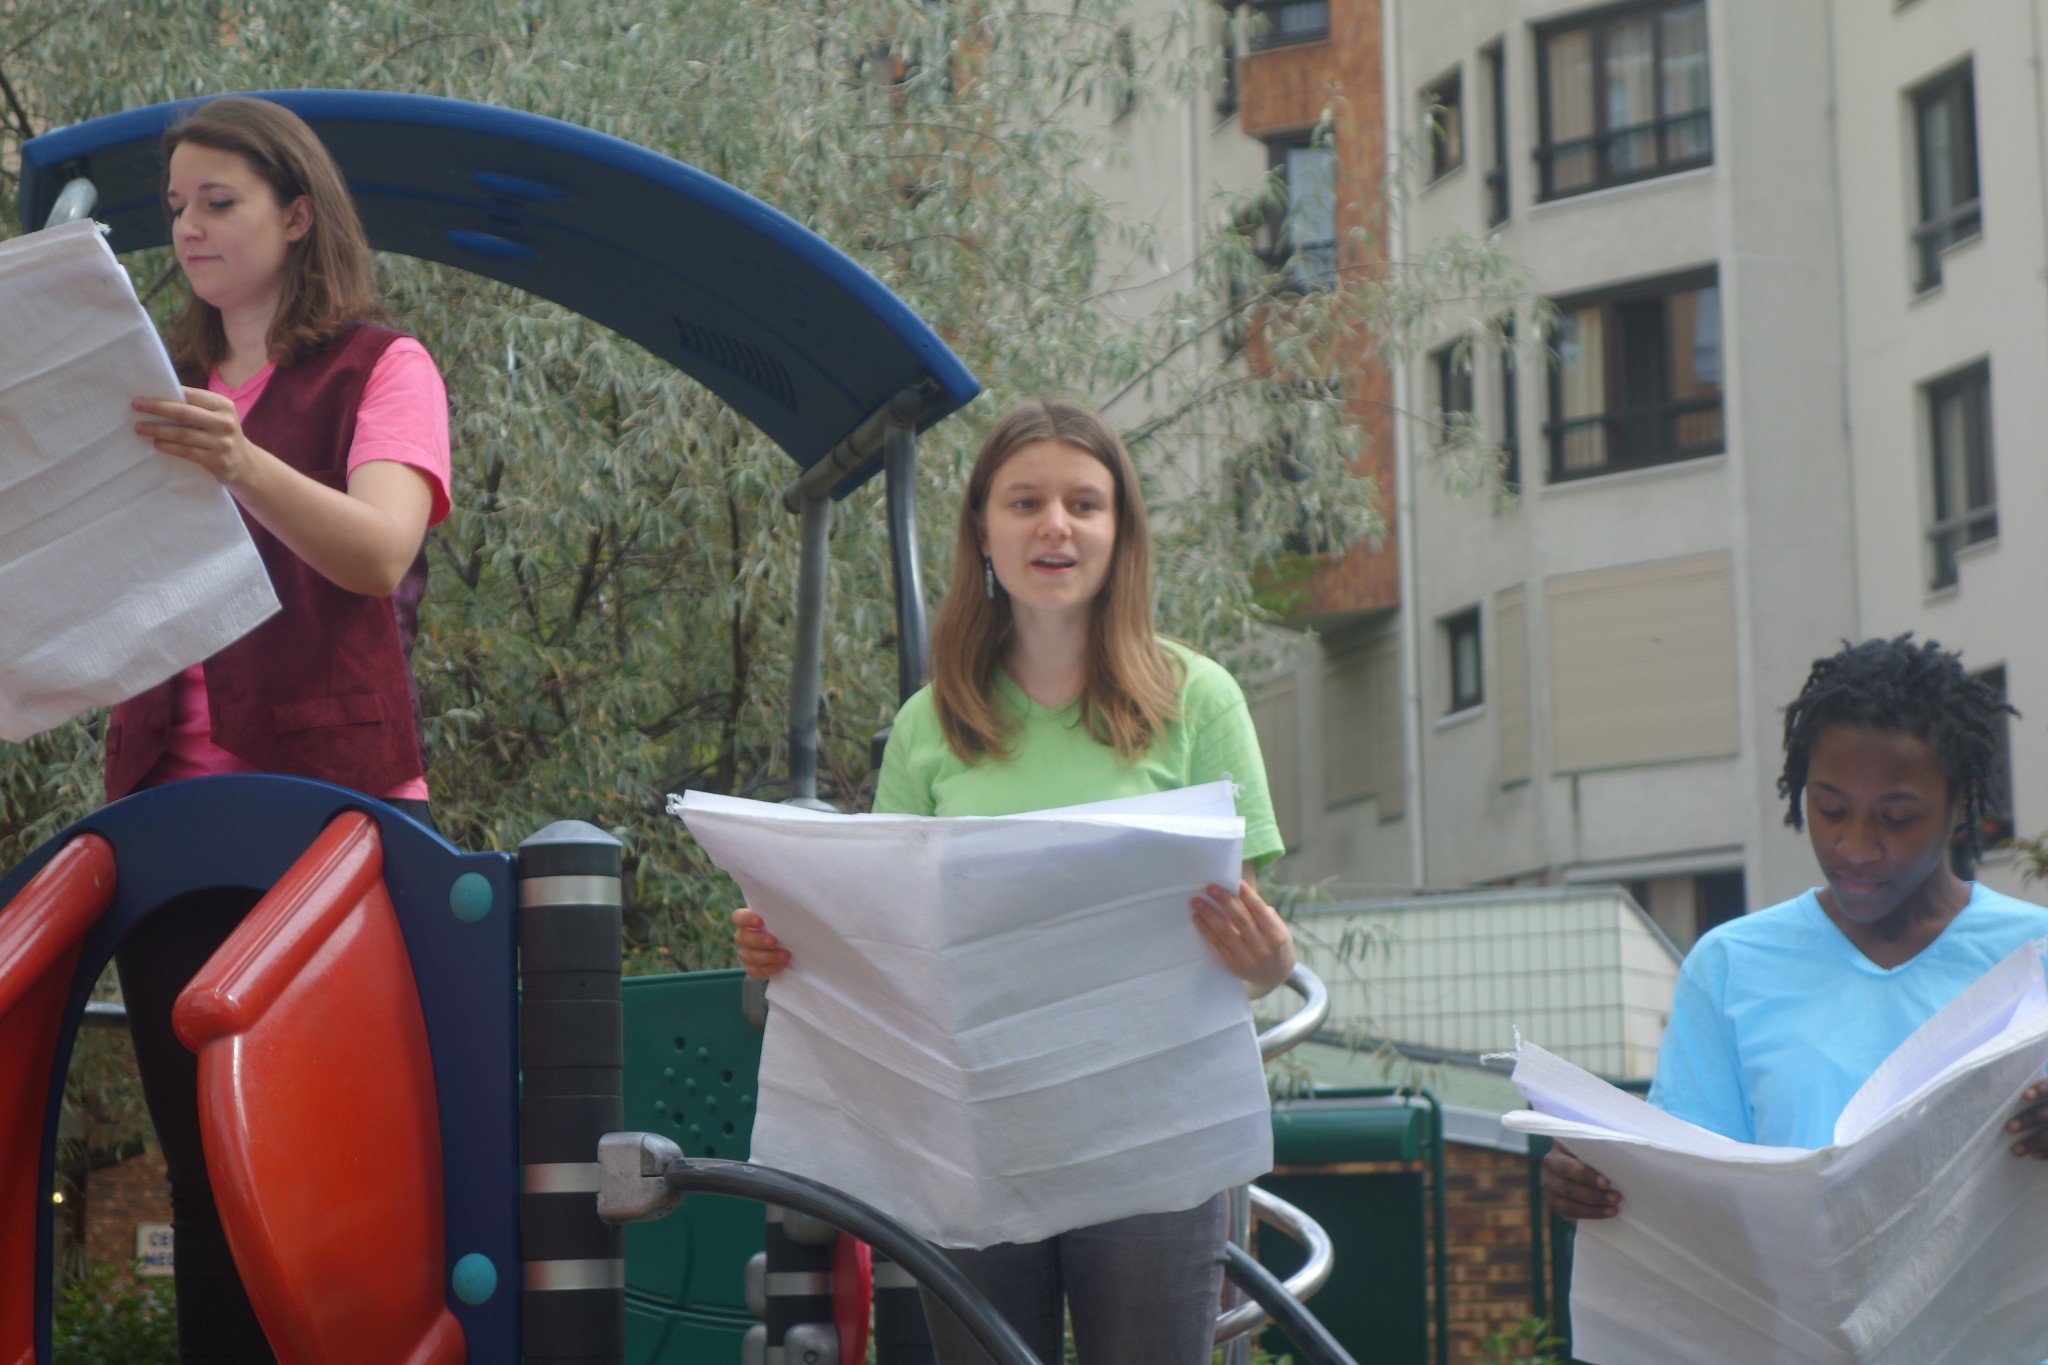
(691, 1063)
(1377, 1300)
(1321, 1131)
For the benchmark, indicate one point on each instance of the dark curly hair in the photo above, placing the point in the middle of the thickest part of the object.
(1916, 687)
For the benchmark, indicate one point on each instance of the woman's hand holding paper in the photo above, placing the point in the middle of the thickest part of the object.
(759, 952)
(1248, 934)
(202, 429)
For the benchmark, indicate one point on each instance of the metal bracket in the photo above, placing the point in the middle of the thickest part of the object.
(630, 1171)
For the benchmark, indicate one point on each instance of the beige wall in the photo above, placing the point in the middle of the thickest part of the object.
(1992, 302)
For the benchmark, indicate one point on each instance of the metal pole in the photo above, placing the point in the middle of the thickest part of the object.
(899, 466)
(1238, 1350)
(797, 1326)
(807, 663)
(902, 1336)
(572, 1058)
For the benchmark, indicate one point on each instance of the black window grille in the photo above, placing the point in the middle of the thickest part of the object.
(1951, 211)
(1461, 641)
(1443, 107)
(1497, 152)
(1302, 239)
(1637, 378)
(1623, 97)
(1965, 494)
(1290, 21)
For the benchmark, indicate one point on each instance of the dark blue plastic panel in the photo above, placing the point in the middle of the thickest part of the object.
(246, 831)
(765, 313)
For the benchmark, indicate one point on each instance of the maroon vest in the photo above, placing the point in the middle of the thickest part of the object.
(321, 689)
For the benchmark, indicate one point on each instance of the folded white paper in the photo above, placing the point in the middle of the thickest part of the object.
(998, 1029)
(119, 566)
(1916, 1238)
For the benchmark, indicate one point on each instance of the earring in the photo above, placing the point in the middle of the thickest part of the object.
(988, 577)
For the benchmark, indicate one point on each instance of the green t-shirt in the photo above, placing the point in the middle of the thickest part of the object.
(1054, 761)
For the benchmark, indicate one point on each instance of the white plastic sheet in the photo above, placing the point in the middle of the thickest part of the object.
(997, 1029)
(1916, 1238)
(119, 566)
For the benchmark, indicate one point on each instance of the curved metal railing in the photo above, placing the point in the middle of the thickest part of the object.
(1236, 1322)
(1303, 1023)
(1276, 1212)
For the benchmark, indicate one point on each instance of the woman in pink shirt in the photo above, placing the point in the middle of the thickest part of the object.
(331, 434)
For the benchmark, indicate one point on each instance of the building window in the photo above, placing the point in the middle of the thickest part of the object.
(1686, 907)
(1623, 97)
(1303, 242)
(1945, 126)
(1510, 410)
(1452, 366)
(1497, 150)
(1637, 378)
(1997, 825)
(1443, 111)
(1461, 640)
(1290, 21)
(1965, 495)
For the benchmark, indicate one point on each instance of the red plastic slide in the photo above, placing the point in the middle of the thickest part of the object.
(41, 931)
(316, 1096)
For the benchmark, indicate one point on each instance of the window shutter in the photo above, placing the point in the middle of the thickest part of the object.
(1642, 664)
(1511, 683)
(1362, 727)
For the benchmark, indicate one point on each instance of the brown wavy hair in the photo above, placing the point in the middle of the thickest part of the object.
(330, 281)
(1133, 685)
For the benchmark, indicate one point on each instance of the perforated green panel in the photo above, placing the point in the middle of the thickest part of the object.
(691, 1062)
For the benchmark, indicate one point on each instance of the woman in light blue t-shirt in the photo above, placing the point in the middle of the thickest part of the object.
(1890, 753)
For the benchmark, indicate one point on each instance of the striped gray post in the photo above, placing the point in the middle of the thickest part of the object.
(901, 1334)
(572, 1056)
(797, 1291)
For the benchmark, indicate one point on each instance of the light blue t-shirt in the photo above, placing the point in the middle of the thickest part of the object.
(1779, 1018)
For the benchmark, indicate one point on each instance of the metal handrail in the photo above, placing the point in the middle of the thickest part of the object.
(1276, 1212)
(1247, 1316)
(1303, 1024)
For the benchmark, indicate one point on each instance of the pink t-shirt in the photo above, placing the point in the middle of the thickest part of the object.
(403, 418)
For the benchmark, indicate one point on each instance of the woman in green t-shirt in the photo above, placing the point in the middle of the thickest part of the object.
(1050, 688)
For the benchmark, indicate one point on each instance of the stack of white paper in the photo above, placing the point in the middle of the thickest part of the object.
(997, 1029)
(1915, 1239)
(119, 566)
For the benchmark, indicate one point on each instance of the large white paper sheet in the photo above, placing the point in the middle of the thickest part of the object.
(1916, 1238)
(119, 566)
(997, 1029)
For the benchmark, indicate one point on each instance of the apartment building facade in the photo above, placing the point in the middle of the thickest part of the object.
(1785, 254)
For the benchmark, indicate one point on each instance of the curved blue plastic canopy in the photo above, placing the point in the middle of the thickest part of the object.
(762, 311)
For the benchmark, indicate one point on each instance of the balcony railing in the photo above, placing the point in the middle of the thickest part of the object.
(1951, 535)
(1634, 438)
(1938, 234)
(1620, 155)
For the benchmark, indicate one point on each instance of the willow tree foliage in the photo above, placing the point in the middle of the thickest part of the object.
(610, 609)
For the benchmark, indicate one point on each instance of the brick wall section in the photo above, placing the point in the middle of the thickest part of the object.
(116, 1199)
(1486, 1207)
(1284, 91)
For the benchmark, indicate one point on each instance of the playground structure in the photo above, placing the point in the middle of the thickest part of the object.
(410, 1054)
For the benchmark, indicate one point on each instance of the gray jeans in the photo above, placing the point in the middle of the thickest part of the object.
(1142, 1291)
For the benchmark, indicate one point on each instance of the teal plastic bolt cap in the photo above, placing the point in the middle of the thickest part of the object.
(475, 1278)
(470, 897)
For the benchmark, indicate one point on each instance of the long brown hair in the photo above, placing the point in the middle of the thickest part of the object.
(1133, 686)
(330, 283)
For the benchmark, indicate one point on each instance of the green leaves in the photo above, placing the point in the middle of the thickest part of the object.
(610, 610)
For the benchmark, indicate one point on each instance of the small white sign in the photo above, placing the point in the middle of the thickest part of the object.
(153, 1259)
